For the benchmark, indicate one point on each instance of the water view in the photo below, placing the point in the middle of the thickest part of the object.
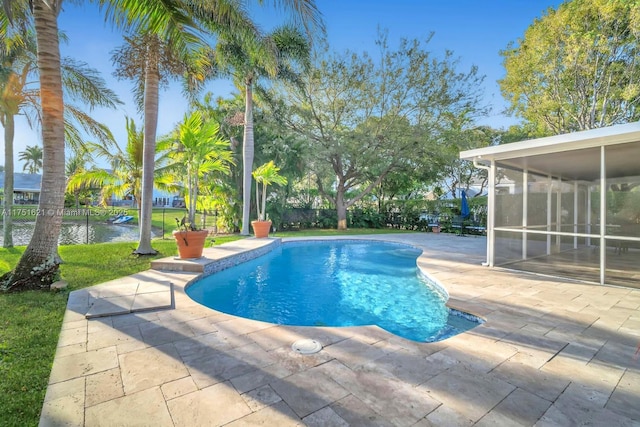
(73, 233)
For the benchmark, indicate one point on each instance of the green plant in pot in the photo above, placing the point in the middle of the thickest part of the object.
(189, 238)
(198, 154)
(264, 175)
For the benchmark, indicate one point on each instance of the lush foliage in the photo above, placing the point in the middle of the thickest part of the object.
(277, 56)
(265, 175)
(577, 67)
(366, 119)
(199, 156)
(124, 178)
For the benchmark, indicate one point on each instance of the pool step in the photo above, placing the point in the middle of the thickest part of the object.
(220, 257)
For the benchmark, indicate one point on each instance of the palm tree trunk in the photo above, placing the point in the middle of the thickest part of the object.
(263, 211)
(194, 193)
(37, 267)
(257, 205)
(7, 213)
(247, 156)
(151, 99)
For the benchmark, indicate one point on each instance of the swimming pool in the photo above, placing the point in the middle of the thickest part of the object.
(335, 283)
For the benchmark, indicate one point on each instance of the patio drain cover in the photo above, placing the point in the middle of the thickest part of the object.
(306, 346)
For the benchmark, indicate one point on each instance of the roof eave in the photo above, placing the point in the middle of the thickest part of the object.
(618, 134)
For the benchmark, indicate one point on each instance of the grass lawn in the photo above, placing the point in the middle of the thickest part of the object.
(30, 321)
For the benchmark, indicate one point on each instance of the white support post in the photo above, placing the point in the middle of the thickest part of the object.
(603, 215)
(559, 214)
(491, 237)
(589, 219)
(525, 204)
(549, 192)
(575, 214)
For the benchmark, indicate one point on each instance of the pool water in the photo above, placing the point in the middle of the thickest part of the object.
(335, 283)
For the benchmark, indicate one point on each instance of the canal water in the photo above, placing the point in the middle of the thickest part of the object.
(73, 233)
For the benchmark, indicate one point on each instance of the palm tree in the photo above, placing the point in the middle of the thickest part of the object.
(150, 62)
(14, 70)
(275, 55)
(125, 177)
(198, 152)
(75, 166)
(32, 158)
(18, 67)
(266, 175)
(220, 17)
(162, 16)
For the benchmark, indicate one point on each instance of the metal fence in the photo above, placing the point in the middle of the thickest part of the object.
(97, 225)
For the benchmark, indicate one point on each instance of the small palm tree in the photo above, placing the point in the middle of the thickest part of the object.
(276, 55)
(266, 174)
(125, 177)
(32, 158)
(75, 166)
(198, 152)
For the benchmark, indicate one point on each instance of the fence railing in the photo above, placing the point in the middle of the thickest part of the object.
(99, 225)
(112, 224)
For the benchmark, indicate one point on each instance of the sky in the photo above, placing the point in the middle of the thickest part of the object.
(475, 31)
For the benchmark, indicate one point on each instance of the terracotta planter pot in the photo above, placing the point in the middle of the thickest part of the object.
(190, 243)
(261, 228)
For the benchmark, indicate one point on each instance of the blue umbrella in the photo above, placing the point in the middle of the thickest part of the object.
(464, 205)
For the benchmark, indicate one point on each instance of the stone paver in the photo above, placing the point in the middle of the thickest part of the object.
(212, 406)
(468, 392)
(150, 367)
(550, 353)
(145, 408)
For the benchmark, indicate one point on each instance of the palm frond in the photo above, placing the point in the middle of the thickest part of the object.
(89, 125)
(305, 14)
(83, 83)
(167, 18)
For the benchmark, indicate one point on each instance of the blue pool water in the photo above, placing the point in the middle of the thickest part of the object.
(335, 283)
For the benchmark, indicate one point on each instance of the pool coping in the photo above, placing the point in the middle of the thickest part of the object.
(211, 264)
(216, 259)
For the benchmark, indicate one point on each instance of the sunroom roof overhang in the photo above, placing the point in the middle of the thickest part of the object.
(574, 156)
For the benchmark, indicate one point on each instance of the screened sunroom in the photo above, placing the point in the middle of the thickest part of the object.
(567, 205)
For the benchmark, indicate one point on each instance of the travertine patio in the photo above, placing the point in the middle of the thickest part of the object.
(550, 353)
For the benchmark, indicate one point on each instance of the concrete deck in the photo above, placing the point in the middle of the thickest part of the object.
(550, 353)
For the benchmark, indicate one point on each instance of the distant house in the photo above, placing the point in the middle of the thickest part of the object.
(26, 188)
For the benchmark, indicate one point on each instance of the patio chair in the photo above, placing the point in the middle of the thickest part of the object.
(458, 223)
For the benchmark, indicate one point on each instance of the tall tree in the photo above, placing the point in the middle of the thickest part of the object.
(150, 62)
(15, 67)
(364, 119)
(219, 17)
(577, 67)
(38, 267)
(32, 158)
(275, 55)
(20, 95)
